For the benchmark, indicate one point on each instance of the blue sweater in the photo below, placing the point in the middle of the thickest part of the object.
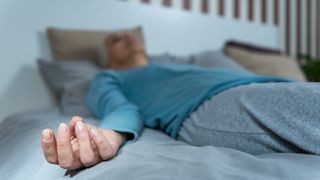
(159, 96)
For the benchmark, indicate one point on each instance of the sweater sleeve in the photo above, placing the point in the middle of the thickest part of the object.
(107, 102)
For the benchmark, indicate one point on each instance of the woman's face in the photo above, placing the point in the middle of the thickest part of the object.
(122, 46)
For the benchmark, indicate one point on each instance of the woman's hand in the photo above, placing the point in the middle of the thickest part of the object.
(80, 144)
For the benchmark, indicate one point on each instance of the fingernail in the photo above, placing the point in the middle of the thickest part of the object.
(78, 118)
(63, 128)
(94, 131)
(79, 126)
(46, 134)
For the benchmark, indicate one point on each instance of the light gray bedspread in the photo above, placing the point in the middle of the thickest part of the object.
(154, 156)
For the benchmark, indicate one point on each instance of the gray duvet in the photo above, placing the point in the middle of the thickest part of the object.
(154, 156)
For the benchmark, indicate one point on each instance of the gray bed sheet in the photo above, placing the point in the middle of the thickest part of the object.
(154, 156)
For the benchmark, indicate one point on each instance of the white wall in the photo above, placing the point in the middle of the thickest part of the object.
(23, 24)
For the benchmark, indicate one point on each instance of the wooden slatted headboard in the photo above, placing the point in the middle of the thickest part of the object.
(298, 21)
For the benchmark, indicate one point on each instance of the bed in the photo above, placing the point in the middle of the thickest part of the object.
(155, 155)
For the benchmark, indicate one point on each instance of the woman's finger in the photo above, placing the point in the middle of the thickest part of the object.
(93, 145)
(73, 122)
(106, 151)
(49, 146)
(87, 156)
(64, 148)
(75, 148)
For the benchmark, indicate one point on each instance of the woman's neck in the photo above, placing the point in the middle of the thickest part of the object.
(137, 60)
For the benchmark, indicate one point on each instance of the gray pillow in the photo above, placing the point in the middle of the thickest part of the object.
(69, 81)
(160, 59)
(215, 59)
(207, 59)
(167, 58)
(72, 101)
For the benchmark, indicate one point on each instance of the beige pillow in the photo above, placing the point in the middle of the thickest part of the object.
(267, 64)
(81, 44)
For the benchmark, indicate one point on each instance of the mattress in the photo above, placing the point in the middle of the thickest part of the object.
(154, 156)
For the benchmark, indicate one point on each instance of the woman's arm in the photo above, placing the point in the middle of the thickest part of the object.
(84, 145)
(106, 101)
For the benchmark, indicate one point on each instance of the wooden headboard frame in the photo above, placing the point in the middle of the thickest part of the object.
(298, 21)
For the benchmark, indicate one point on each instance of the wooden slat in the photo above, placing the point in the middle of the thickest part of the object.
(276, 12)
(145, 1)
(166, 3)
(318, 30)
(288, 28)
(298, 27)
(186, 4)
(205, 6)
(309, 30)
(251, 10)
(221, 9)
(264, 11)
(236, 9)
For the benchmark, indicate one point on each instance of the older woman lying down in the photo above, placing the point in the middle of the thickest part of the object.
(218, 107)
